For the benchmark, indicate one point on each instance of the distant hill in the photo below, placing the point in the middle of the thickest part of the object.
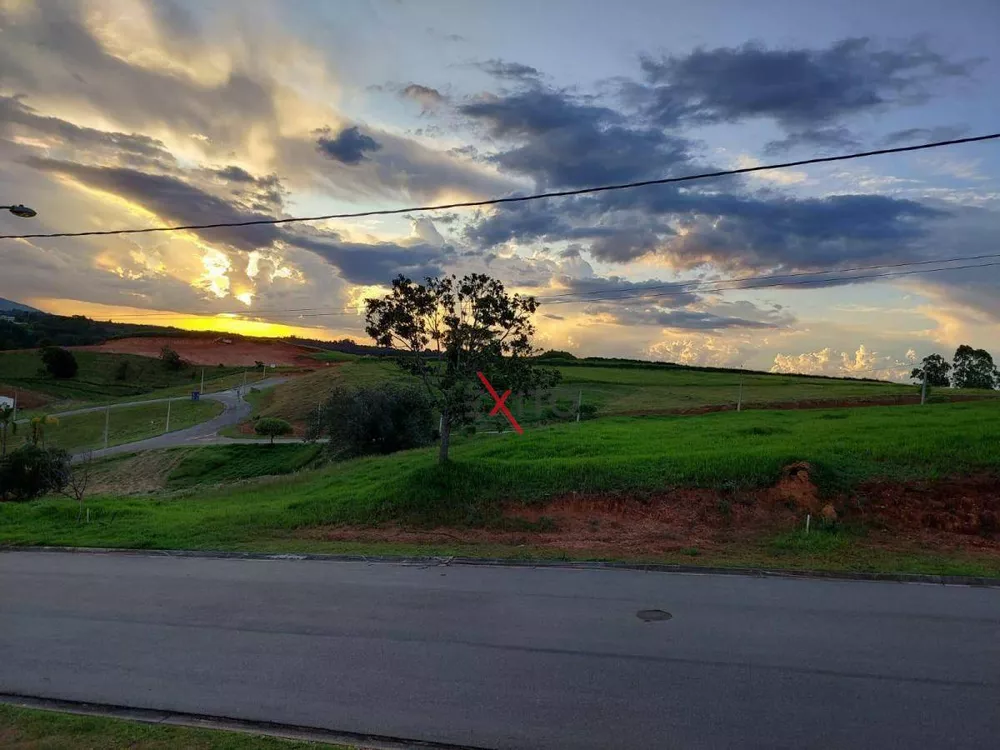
(8, 305)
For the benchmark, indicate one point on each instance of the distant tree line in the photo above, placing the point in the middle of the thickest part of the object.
(969, 368)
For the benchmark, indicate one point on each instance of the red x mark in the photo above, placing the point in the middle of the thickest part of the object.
(500, 406)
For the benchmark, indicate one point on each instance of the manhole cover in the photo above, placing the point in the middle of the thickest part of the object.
(653, 615)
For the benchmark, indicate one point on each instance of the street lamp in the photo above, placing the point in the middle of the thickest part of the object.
(21, 210)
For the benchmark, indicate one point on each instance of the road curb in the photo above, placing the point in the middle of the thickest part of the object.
(227, 724)
(944, 580)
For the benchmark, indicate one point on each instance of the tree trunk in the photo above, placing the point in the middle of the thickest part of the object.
(445, 437)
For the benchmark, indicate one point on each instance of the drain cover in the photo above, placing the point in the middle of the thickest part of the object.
(653, 615)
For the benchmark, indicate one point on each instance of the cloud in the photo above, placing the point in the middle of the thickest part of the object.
(911, 136)
(511, 71)
(798, 88)
(562, 140)
(817, 139)
(428, 98)
(348, 147)
(376, 263)
(698, 320)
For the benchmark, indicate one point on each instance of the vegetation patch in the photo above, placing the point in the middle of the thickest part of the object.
(214, 464)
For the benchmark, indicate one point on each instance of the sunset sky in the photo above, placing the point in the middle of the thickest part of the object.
(135, 113)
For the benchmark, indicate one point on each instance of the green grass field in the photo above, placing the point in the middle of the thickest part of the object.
(125, 424)
(99, 379)
(612, 390)
(217, 464)
(30, 729)
(726, 450)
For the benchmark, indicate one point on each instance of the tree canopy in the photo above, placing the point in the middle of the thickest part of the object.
(450, 329)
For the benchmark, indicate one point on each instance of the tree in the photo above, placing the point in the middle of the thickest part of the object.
(936, 367)
(272, 427)
(7, 423)
(381, 418)
(171, 359)
(973, 368)
(75, 479)
(38, 425)
(59, 363)
(30, 471)
(448, 330)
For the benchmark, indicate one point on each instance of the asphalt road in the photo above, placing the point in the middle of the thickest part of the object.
(235, 410)
(509, 657)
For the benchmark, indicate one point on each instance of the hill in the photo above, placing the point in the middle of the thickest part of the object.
(7, 305)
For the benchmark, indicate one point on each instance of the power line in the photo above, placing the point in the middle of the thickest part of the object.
(771, 276)
(787, 283)
(680, 287)
(517, 198)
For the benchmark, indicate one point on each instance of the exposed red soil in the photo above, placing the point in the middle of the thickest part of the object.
(26, 399)
(951, 515)
(901, 400)
(215, 351)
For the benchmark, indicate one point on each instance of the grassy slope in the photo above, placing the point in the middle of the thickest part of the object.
(28, 729)
(213, 464)
(126, 424)
(614, 390)
(96, 382)
(727, 449)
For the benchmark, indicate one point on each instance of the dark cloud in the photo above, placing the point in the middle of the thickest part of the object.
(800, 89)
(816, 139)
(510, 71)
(911, 136)
(677, 319)
(235, 174)
(425, 96)
(16, 116)
(173, 199)
(561, 140)
(348, 147)
(377, 263)
(615, 290)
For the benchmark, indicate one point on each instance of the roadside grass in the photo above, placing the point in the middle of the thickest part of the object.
(333, 356)
(727, 450)
(32, 729)
(125, 424)
(97, 378)
(214, 464)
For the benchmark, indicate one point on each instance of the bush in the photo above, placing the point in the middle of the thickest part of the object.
(121, 371)
(59, 362)
(381, 418)
(171, 359)
(272, 427)
(29, 472)
(556, 354)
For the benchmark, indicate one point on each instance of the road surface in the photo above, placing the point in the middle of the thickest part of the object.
(234, 411)
(509, 657)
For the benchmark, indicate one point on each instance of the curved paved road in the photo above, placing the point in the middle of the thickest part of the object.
(234, 410)
(492, 657)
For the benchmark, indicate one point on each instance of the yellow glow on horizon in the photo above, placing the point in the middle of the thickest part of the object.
(225, 323)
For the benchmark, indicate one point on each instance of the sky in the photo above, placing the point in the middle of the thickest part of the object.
(139, 113)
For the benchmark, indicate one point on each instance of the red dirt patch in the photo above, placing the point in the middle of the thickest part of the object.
(207, 351)
(951, 515)
(26, 399)
(958, 505)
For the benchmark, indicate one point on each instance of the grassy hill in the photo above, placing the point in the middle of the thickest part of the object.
(606, 462)
(102, 377)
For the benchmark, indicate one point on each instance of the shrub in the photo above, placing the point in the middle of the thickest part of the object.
(272, 427)
(171, 359)
(556, 354)
(121, 371)
(30, 471)
(381, 418)
(59, 362)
